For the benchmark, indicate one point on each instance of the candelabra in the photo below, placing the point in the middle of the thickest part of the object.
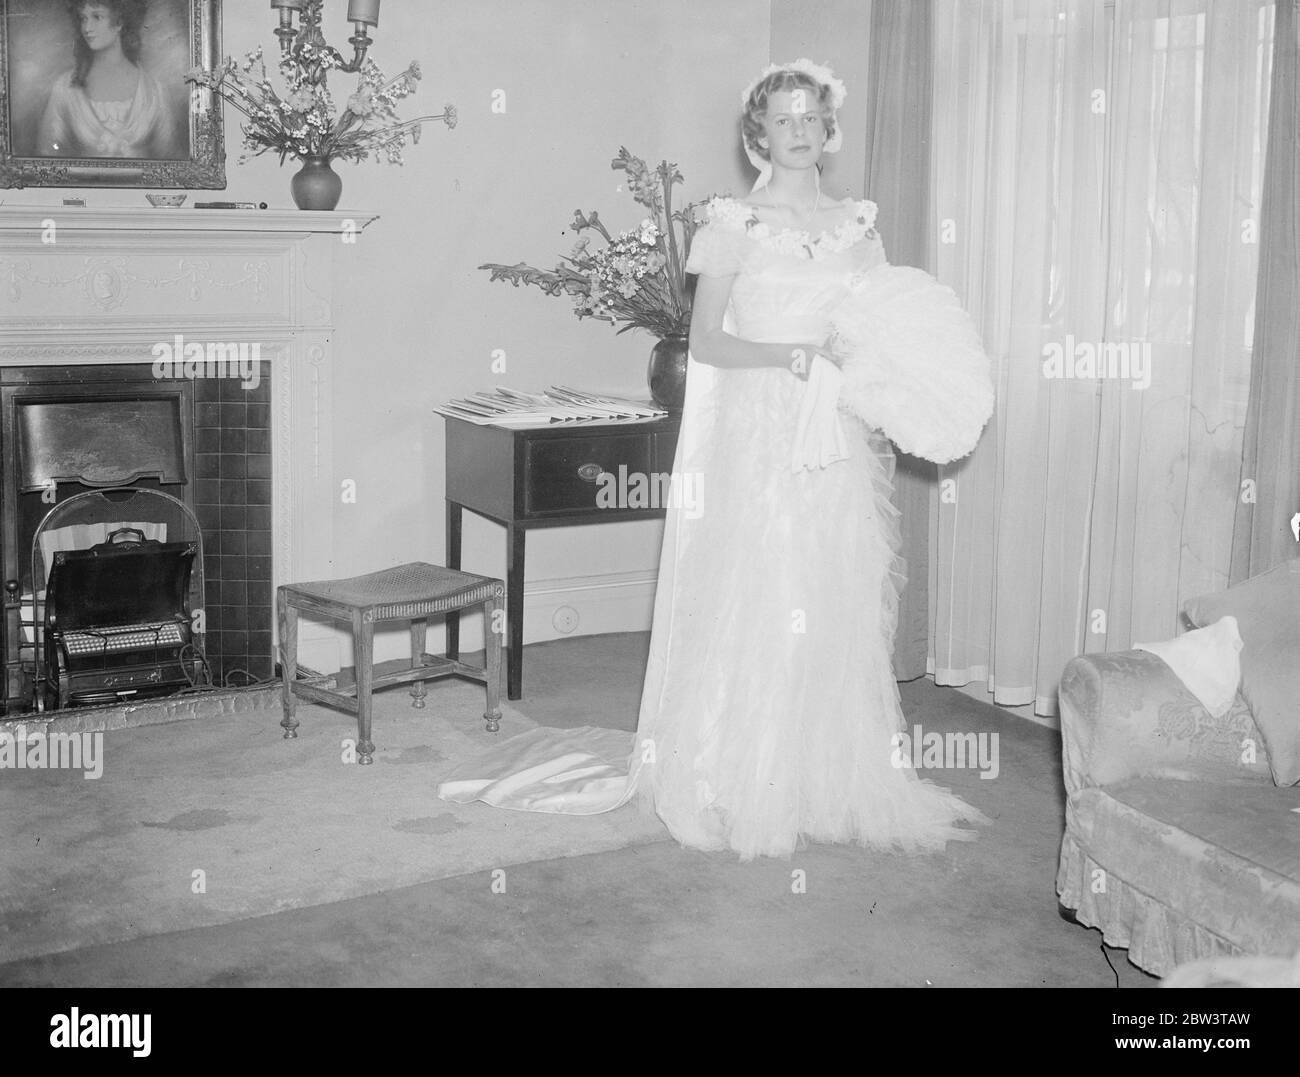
(361, 13)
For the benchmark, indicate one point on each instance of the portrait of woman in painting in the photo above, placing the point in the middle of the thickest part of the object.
(105, 103)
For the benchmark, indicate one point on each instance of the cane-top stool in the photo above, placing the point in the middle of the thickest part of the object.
(413, 592)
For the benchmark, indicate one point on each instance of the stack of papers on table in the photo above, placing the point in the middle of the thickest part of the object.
(558, 404)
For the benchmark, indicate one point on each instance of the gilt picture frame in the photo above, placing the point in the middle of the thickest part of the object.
(93, 94)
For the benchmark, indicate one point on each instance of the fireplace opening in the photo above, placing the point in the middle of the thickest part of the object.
(119, 432)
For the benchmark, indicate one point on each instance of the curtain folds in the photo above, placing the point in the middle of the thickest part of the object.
(1097, 177)
(1270, 468)
(898, 181)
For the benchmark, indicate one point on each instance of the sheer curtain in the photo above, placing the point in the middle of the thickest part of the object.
(898, 180)
(1097, 175)
(1270, 467)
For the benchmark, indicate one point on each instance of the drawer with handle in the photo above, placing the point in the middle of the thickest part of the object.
(564, 474)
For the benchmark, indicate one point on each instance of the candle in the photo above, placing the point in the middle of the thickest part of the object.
(366, 11)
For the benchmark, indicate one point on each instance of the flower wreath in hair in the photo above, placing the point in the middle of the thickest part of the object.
(820, 72)
(824, 77)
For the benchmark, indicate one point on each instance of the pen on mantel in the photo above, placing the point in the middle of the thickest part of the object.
(230, 205)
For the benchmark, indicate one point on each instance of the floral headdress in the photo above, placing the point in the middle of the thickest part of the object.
(820, 72)
(824, 77)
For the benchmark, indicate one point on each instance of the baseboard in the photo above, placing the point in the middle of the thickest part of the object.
(588, 605)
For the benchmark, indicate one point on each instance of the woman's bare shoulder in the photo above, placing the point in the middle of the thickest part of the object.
(854, 208)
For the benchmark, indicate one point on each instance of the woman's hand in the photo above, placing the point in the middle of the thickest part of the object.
(802, 355)
(834, 350)
(801, 358)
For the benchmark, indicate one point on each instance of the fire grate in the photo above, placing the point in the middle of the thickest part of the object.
(117, 619)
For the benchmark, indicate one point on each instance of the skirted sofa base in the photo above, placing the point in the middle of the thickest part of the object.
(1176, 870)
(1178, 845)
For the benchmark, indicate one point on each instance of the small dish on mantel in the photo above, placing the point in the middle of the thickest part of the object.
(165, 201)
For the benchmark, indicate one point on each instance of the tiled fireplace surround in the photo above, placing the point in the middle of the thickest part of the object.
(82, 287)
(232, 499)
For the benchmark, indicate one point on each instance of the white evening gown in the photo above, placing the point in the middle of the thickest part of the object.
(769, 700)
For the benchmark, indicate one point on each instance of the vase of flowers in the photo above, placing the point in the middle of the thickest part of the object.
(638, 278)
(301, 120)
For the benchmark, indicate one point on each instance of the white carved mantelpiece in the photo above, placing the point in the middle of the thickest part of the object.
(82, 286)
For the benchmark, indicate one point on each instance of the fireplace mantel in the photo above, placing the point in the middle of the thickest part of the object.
(181, 219)
(114, 278)
(85, 286)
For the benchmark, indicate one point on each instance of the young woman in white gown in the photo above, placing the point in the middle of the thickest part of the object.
(769, 709)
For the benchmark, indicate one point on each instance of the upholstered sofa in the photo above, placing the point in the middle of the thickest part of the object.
(1181, 841)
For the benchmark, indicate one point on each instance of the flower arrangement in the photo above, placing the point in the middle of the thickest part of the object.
(303, 121)
(639, 276)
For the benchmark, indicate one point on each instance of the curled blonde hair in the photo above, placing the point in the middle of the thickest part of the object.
(779, 82)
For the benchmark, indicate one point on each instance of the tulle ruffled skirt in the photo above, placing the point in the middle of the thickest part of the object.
(770, 706)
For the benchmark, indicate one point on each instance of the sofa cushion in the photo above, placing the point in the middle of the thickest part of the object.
(1267, 609)
(1178, 870)
(1250, 824)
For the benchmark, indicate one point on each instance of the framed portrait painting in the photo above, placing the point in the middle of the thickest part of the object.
(93, 94)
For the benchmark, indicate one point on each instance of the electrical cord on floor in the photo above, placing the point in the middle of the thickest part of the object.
(202, 681)
(250, 683)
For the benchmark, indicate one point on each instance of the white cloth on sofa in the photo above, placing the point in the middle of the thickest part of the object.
(1207, 660)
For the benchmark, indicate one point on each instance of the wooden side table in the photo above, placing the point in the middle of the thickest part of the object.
(545, 476)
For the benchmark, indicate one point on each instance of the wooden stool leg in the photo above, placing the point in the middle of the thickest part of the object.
(363, 649)
(287, 618)
(492, 631)
(419, 643)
